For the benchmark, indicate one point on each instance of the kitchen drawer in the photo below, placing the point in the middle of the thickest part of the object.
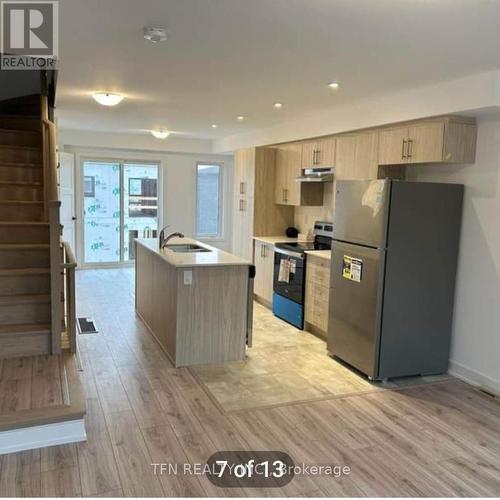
(316, 306)
(318, 271)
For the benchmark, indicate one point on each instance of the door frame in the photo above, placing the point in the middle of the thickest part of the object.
(80, 233)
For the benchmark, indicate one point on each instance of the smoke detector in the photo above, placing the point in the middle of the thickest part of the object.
(155, 34)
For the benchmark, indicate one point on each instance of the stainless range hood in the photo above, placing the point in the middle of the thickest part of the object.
(323, 174)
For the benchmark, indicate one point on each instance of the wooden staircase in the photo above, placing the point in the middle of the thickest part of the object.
(25, 284)
(37, 285)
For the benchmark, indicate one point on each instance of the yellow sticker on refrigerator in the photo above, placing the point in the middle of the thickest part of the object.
(352, 268)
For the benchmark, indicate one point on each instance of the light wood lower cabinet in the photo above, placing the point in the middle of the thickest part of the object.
(264, 270)
(317, 292)
(200, 320)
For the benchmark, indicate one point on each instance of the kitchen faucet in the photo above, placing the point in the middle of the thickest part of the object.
(162, 235)
(164, 240)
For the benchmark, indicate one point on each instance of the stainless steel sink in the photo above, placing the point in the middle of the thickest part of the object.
(186, 248)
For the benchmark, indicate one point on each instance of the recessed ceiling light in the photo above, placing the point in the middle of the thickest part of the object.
(214, 125)
(160, 134)
(107, 98)
(240, 118)
(155, 34)
(334, 85)
(277, 105)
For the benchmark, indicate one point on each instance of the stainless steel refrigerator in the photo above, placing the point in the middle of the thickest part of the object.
(393, 267)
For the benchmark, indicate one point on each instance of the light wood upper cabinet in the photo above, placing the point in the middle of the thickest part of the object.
(254, 210)
(244, 172)
(357, 156)
(264, 270)
(288, 168)
(287, 190)
(319, 153)
(441, 140)
(392, 146)
(425, 142)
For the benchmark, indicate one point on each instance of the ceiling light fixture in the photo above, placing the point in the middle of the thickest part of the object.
(107, 98)
(160, 134)
(334, 85)
(214, 125)
(155, 34)
(240, 118)
(277, 105)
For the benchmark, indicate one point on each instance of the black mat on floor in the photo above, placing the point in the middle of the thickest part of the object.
(86, 326)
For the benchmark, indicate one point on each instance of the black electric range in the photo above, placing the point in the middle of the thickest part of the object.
(290, 270)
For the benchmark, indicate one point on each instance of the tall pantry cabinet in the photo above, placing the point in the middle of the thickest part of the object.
(254, 210)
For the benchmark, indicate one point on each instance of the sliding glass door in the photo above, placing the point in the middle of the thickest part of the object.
(120, 203)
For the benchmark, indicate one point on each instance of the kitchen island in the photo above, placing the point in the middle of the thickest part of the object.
(195, 303)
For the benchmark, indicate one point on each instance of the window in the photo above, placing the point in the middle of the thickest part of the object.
(120, 204)
(208, 200)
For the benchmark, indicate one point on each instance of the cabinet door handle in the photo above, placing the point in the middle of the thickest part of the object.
(314, 156)
(403, 150)
(264, 248)
(286, 195)
(242, 189)
(409, 151)
(241, 205)
(282, 195)
(318, 152)
(261, 250)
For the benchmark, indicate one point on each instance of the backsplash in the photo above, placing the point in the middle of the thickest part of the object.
(304, 217)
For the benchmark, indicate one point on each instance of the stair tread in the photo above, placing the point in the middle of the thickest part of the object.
(24, 299)
(25, 328)
(20, 202)
(23, 117)
(24, 246)
(22, 271)
(20, 148)
(18, 164)
(19, 131)
(23, 223)
(20, 183)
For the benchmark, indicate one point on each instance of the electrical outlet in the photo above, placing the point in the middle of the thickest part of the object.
(188, 277)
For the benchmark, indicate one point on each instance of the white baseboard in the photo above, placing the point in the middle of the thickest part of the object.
(41, 436)
(474, 377)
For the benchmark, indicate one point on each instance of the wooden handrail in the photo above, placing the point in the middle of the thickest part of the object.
(69, 261)
(49, 157)
(68, 266)
(51, 215)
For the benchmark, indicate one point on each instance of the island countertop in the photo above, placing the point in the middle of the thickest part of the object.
(214, 257)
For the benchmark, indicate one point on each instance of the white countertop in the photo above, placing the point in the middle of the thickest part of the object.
(215, 257)
(323, 254)
(274, 239)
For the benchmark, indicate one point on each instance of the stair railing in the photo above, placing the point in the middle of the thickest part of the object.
(69, 309)
(52, 206)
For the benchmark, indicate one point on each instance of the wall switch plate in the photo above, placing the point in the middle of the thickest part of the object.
(188, 277)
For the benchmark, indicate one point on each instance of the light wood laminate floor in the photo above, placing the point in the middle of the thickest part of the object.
(438, 439)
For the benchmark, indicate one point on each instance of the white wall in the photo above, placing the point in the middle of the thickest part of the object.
(179, 198)
(475, 353)
(178, 188)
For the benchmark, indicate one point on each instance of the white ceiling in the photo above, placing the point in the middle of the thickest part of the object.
(224, 58)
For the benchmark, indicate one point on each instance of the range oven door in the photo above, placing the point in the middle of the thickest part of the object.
(292, 283)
